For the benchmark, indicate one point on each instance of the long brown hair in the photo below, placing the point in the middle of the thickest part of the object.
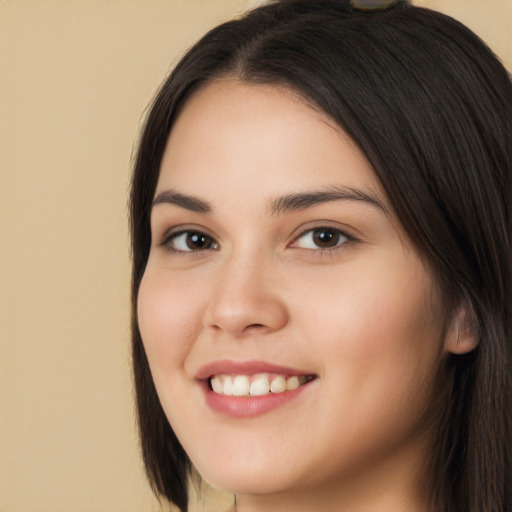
(430, 106)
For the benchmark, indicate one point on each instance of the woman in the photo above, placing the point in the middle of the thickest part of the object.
(321, 225)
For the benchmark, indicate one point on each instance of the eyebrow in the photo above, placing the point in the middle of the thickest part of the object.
(283, 204)
(304, 200)
(191, 203)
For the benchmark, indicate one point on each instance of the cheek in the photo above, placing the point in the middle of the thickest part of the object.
(168, 321)
(382, 307)
(379, 334)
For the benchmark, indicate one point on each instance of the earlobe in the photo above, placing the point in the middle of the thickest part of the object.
(462, 336)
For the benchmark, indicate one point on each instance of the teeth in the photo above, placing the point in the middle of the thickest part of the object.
(292, 383)
(217, 385)
(241, 385)
(260, 386)
(256, 385)
(228, 386)
(278, 384)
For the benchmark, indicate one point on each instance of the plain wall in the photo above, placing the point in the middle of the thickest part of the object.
(75, 78)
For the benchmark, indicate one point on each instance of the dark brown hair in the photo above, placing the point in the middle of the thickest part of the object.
(430, 106)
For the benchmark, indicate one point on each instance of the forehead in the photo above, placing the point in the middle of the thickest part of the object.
(232, 135)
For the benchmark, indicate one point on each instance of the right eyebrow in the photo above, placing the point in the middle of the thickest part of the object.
(191, 203)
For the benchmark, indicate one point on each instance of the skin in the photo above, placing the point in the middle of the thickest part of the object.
(363, 316)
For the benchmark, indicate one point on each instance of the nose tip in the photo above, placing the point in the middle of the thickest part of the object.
(240, 310)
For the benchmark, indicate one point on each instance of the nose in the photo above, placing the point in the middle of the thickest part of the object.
(246, 299)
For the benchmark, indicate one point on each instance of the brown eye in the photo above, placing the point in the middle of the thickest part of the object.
(190, 241)
(321, 238)
(198, 241)
(325, 237)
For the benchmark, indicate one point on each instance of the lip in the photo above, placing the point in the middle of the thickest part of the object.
(253, 367)
(247, 406)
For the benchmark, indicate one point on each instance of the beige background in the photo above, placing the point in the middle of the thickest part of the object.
(75, 77)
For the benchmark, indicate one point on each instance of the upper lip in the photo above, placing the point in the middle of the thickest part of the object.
(252, 367)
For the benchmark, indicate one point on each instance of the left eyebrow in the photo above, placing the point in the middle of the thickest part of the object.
(303, 200)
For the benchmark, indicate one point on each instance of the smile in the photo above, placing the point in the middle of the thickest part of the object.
(244, 389)
(256, 385)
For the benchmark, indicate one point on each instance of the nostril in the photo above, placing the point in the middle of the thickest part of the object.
(254, 328)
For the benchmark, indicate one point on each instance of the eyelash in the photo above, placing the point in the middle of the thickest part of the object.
(168, 240)
(171, 238)
(338, 233)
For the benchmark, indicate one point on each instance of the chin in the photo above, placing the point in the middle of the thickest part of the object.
(248, 480)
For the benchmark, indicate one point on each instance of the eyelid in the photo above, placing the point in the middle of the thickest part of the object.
(174, 232)
(348, 238)
(325, 224)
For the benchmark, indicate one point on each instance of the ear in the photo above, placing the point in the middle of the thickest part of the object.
(462, 336)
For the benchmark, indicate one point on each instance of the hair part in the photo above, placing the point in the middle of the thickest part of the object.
(430, 106)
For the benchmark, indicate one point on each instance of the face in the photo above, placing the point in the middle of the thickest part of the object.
(292, 332)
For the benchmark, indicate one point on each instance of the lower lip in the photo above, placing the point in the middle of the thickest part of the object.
(249, 406)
